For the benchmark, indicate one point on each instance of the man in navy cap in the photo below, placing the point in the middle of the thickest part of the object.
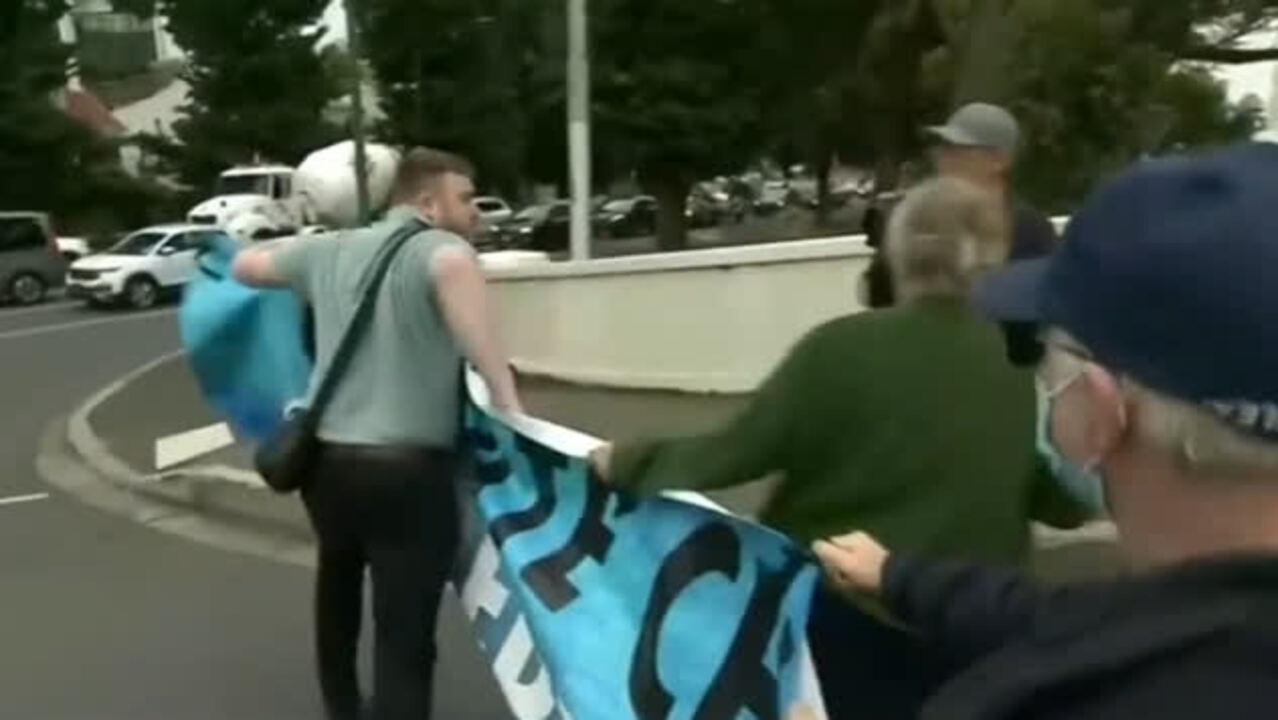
(1158, 401)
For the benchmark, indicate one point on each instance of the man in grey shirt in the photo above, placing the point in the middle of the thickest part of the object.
(382, 492)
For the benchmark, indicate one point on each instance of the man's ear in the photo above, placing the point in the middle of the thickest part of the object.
(1108, 423)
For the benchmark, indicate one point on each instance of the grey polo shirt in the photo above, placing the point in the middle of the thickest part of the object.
(401, 386)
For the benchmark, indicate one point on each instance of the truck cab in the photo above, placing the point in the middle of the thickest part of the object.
(253, 203)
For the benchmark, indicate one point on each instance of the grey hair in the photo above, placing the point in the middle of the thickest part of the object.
(1199, 439)
(943, 236)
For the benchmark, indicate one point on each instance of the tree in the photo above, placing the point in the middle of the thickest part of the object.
(675, 96)
(258, 86)
(52, 163)
(809, 62)
(459, 74)
(1205, 30)
(1094, 93)
(38, 143)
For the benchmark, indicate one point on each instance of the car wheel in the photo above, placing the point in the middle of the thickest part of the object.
(141, 293)
(28, 289)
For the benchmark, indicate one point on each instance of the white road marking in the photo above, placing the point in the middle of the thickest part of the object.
(177, 449)
(19, 499)
(79, 324)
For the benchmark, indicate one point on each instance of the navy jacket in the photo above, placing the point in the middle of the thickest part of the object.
(1199, 642)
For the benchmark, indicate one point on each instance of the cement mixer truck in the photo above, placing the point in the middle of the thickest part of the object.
(262, 202)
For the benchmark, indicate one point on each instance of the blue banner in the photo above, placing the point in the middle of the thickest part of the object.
(588, 602)
(648, 609)
(245, 346)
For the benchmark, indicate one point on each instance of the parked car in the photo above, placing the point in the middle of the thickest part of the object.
(627, 217)
(142, 268)
(493, 211)
(772, 198)
(708, 207)
(538, 227)
(30, 263)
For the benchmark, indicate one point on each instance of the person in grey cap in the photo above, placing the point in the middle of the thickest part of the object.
(1158, 401)
(980, 143)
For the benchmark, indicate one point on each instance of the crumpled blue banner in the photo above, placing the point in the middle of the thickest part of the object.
(592, 604)
(245, 345)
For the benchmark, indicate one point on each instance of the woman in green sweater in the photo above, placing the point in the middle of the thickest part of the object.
(907, 422)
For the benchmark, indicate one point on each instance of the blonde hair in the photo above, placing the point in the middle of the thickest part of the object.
(943, 236)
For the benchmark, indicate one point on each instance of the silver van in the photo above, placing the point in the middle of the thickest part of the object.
(30, 264)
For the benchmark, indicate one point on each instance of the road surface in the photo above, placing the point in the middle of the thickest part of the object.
(103, 618)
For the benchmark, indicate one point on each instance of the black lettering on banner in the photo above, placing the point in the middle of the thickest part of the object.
(488, 472)
(478, 437)
(715, 548)
(544, 462)
(548, 577)
(745, 682)
(592, 538)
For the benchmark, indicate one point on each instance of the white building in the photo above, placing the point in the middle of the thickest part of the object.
(99, 32)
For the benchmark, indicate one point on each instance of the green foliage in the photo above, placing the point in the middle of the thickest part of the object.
(677, 93)
(1201, 113)
(681, 90)
(38, 143)
(1095, 93)
(258, 87)
(461, 75)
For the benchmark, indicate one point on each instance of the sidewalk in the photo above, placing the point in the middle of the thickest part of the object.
(166, 401)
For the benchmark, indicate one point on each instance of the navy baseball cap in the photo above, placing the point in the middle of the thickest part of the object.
(1169, 275)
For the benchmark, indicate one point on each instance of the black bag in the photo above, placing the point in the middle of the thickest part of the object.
(284, 461)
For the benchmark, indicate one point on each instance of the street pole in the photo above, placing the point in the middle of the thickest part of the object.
(579, 127)
(357, 114)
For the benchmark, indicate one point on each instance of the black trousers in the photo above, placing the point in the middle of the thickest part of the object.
(394, 512)
(868, 669)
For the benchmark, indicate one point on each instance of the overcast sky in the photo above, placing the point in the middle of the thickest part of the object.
(1254, 77)
(335, 19)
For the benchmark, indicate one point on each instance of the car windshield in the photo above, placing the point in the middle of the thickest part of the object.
(244, 185)
(534, 213)
(619, 206)
(138, 244)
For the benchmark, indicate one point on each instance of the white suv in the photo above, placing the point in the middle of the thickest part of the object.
(143, 267)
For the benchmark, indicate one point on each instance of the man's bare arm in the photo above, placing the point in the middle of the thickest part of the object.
(464, 301)
(255, 267)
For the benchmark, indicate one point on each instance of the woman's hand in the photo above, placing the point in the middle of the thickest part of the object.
(853, 563)
(601, 461)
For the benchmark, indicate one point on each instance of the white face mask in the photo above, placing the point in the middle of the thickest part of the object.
(1084, 484)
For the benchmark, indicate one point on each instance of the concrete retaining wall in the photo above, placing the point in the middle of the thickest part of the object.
(702, 321)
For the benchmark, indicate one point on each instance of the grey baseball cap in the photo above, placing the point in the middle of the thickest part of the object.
(981, 125)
